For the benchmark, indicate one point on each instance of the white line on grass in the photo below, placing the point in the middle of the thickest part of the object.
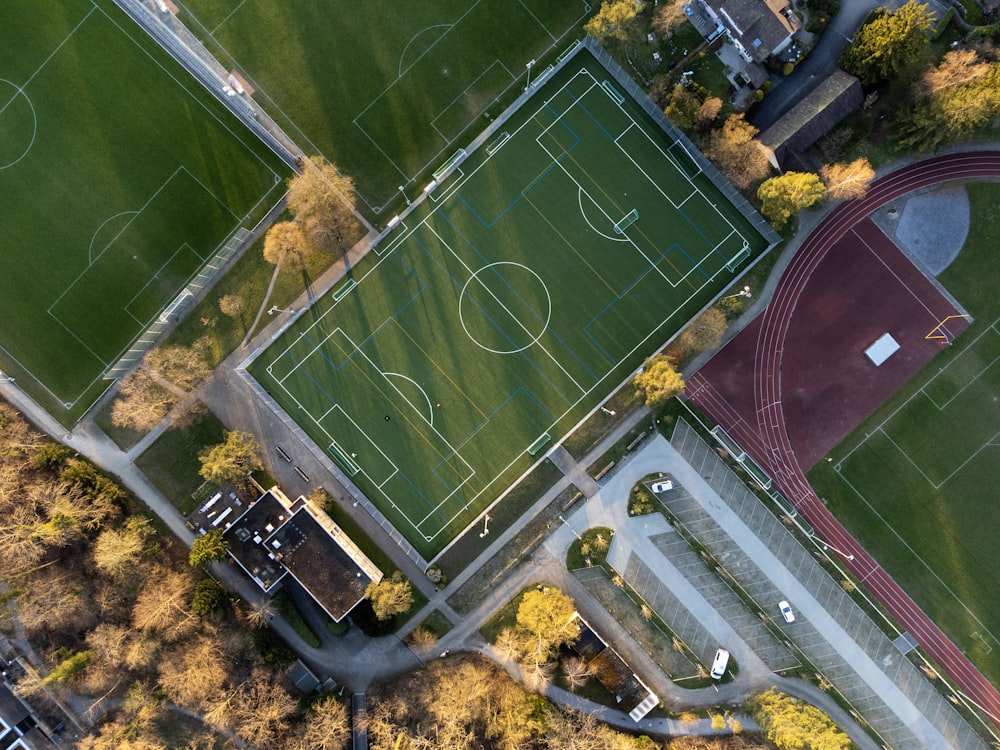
(402, 55)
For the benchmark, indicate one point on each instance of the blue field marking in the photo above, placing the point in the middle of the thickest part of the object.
(621, 294)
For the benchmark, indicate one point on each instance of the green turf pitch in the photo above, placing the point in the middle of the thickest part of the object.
(507, 306)
(929, 472)
(120, 177)
(382, 88)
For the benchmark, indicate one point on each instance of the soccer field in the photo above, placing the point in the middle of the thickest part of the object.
(533, 279)
(120, 180)
(922, 484)
(382, 88)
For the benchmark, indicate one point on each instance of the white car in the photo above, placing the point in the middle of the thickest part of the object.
(719, 664)
(663, 486)
(786, 611)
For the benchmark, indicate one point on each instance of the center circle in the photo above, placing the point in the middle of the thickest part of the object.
(17, 124)
(505, 307)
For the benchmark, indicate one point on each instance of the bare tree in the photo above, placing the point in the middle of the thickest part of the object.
(327, 726)
(704, 332)
(163, 605)
(509, 645)
(258, 711)
(323, 200)
(577, 671)
(739, 157)
(848, 180)
(118, 551)
(184, 366)
(285, 245)
(390, 596)
(193, 672)
(669, 15)
(141, 402)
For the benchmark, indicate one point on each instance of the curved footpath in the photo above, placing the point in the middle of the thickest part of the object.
(768, 442)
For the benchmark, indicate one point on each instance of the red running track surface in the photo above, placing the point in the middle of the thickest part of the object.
(745, 390)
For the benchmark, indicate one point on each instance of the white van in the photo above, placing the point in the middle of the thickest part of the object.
(720, 664)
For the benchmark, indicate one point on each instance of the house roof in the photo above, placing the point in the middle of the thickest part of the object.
(759, 25)
(816, 115)
(18, 728)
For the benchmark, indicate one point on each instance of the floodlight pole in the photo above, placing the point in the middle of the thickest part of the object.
(486, 527)
(609, 412)
(527, 83)
(570, 527)
(744, 292)
(846, 555)
(404, 195)
(277, 309)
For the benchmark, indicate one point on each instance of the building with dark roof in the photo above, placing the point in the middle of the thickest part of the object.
(275, 538)
(631, 693)
(19, 725)
(817, 114)
(757, 28)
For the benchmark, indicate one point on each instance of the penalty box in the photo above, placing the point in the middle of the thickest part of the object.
(146, 262)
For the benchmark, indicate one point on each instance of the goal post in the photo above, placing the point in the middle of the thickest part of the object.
(630, 218)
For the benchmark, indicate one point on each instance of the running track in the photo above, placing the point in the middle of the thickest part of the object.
(768, 443)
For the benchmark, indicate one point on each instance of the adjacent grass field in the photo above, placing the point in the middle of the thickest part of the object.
(917, 483)
(383, 88)
(534, 279)
(120, 179)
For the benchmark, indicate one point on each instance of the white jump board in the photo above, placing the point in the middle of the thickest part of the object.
(882, 349)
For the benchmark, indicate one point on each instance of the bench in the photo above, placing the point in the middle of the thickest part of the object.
(604, 471)
(638, 439)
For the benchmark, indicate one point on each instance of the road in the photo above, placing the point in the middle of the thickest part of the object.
(787, 91)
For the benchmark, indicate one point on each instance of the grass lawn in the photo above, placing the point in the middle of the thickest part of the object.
(171, 462)
(339, 77)
(120, 193)
(552, 262)
(916, 482)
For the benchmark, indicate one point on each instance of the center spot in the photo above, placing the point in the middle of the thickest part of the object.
(505, 307)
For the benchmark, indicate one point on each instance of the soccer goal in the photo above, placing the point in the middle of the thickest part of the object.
(630, 218)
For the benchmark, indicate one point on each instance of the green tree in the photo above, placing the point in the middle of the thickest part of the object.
(682, 107)
(784, 196)
(888, 42)
(848, 180)
(231, 460)
(207, 549)
(208, 597)
(737, 155)
(953, 99)
(390, 596)
(658, 382)
(545, 615)
(71, 665)
(613, 19)
(790, 722)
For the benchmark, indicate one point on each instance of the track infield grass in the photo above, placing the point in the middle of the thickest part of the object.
(527, 286)
(917, 482)
(383, 89)
(120, 179)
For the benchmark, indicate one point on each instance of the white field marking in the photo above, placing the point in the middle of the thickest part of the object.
(433, 123)
(54, 51)
(430, 407)
(544, 27)
(695, 190)
(959, 392)
(90, 249)
(238, 138)
(472, 272)
(450, 188)
(228, 16)
(403, 236)
(373, 480)
(583, 213)
(155, 275)
(427, 51)
(993, 327)
(642, 344)
(912, 551)
(18, 91)
(654, 266)
(534, 339)
(402, 55)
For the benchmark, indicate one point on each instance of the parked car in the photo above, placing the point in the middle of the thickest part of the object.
(719, 664)
(662, 486)
(786, 611)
